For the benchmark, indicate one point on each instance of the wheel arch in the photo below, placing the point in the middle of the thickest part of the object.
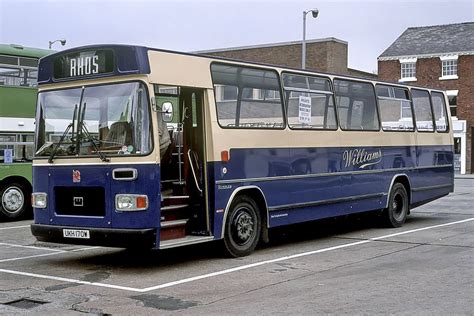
(18, 179)
(257, 195)
(403, 179)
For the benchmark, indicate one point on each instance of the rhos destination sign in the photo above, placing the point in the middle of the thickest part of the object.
(86, 63)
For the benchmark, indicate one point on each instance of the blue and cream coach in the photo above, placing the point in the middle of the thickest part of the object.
(140, 147)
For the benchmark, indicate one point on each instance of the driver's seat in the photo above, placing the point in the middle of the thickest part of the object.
(120, 133)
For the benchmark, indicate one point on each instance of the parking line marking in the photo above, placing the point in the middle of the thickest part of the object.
(298, 255)
(41, 276)
(46, 254)
(29, 257)
(31, 247)
(239, 268)
(13, 227)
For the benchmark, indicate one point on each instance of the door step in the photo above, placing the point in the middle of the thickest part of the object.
(188, 240)
(174, 207)
(173, 229)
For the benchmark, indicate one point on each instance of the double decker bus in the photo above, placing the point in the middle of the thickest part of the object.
(141, 147)
(18, 74)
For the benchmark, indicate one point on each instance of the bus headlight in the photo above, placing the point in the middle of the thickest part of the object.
(39, 200)
(131, 202)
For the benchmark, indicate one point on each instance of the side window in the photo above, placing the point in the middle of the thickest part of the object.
(423, 111)
(310, 102)
(395, 108)
(356, 105)
(439, 109)
(247, 97)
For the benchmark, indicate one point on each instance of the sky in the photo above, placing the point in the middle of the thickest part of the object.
(369, 26)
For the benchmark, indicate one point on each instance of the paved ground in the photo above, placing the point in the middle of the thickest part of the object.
(337, 266)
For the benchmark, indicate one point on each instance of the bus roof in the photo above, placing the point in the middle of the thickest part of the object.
(140, 64)
(19, 50)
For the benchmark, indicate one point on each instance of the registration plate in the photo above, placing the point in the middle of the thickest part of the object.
(76, 233)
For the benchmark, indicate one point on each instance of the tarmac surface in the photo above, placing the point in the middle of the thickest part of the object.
(346, 265)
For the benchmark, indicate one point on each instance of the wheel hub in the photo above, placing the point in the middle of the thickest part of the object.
(397, 206)
(12, 199)
(243, 227)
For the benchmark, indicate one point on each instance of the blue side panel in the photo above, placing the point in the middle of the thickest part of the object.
(302, 184)
(47, 179)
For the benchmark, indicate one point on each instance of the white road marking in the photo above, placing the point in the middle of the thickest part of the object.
(46, 254)
(29, 257)
(34, 275)
(31, 247)
(226, 271)
(13, 227)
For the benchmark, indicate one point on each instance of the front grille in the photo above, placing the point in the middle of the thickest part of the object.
(84, 201)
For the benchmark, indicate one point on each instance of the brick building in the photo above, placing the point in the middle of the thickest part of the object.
(325, 55)
(442, 57)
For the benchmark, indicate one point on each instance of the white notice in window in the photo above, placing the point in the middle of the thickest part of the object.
(8, 156)
(304, 115)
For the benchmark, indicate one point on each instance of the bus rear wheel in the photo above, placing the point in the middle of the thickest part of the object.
(396, 212)
(242, 227)
(14, 202)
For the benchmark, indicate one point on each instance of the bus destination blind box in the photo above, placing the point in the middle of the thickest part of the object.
(84, 64)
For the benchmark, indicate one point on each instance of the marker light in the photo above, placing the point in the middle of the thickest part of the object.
(225, 156)
(39, 200)
(131, 202)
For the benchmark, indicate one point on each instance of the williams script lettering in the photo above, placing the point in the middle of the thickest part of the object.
(361, 158)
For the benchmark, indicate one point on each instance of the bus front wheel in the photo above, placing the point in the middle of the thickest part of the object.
(14, 201)
(396, 212)
(242, 227)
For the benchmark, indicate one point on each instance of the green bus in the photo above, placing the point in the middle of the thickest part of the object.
(18, 80)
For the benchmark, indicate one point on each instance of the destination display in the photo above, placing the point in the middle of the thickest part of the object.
(85, 63)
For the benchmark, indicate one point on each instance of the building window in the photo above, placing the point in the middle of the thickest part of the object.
(453, 101)
(408, 69)
(449, 67)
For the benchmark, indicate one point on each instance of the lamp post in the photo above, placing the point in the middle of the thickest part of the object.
(315, 13)
(63, 42)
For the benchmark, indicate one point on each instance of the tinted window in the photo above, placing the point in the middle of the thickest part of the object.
(395, 108)
(356, 105)
(439, 109)
(423, 111)
(247, 97)
(310, 102)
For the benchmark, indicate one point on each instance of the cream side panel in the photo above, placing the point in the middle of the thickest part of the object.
(155, 154)
(179, 70)
(209, 117)
(225, 139)
(121, 160)
(435, 139)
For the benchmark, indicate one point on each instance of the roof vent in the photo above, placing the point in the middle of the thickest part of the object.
(16, 46)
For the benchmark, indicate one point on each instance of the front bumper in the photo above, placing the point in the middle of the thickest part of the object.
(122, 238)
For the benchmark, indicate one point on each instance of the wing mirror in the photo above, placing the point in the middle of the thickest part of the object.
(167, 111)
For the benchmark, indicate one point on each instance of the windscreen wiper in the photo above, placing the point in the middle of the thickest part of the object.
(80, 119)
(66, 131)
(89, 138)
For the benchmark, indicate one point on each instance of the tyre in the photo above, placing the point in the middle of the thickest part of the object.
(242, 227)
(398, 206)
(14, 201)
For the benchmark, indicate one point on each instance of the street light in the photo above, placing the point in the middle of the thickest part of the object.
(315, 13)
(63, 42)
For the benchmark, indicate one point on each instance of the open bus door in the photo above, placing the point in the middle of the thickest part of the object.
(184, 210)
